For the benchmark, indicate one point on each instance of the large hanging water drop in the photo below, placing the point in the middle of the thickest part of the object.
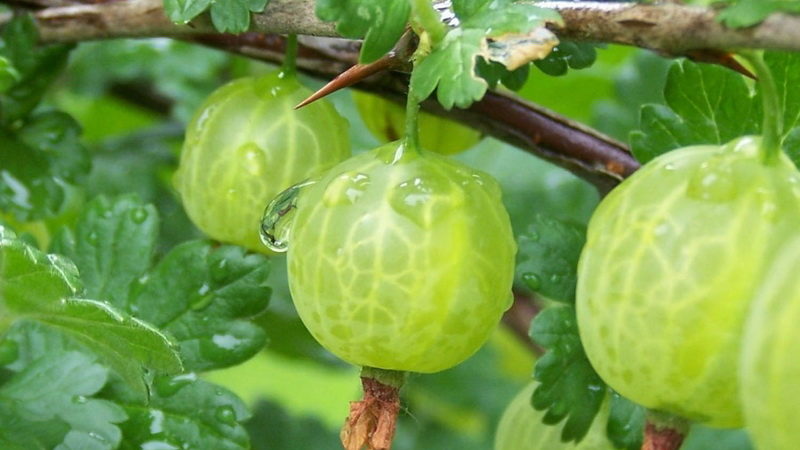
(276, 223)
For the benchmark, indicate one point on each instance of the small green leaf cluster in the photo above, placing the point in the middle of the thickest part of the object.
(228, 16)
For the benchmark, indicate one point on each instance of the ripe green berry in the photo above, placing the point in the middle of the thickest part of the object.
(769, 365)
(672, 260)
(386, 120)
(400, 260)
(521, 428)
(245, 145)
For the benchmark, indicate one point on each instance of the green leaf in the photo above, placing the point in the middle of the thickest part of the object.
(56, 135)
(703, 438)
(230, 16)
(566, 55)
(185, 412)
(38, 287)
(50, 400)
(8, 74)
(256, 6)
(745, 13)
(112, 245)
(454, 62)
(380, 24)
(711, 105)
(626, 423)
(203, 297)
(124, 343)
(37, 67)
(570, 388)
(182, 11)
(495, 30)
(547, 257)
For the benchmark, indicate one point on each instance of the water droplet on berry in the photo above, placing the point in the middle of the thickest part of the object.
(276, 224)
(252, 158)
(346, 189)
(712, 181)
(425, 200)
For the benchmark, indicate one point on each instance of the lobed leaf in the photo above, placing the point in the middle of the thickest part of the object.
(547, 257)
(711, 105)
(570, 388)
(49, 404)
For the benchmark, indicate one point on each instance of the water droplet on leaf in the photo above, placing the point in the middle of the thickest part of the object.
(169, 386)
(226, 415)
(139, 215)
(532, 280)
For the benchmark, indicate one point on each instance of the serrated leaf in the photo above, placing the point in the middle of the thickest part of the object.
(124, 343)
(566, 55)
(9, 76)
(451, 67)
(380, 24)
(112, 245)
(256, 6)
(38, 287)
(547, 257)
(626, 421)
(50, 400)
(186, 412)
(745, 13)
(182, 11)
(711, 105)
(203, 296)
(570, 388)
(230, 16)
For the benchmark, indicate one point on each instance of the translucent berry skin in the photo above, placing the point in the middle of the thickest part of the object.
(401, 261)
(770, 367)
(387, 122)
(245, 145)
(672, 260)
(521, 428)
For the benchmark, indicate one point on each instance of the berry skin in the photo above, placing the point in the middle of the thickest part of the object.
(401, 261)
(673, 258)
(387, 122)
(245, 145)
(521, 428)
(769, 366)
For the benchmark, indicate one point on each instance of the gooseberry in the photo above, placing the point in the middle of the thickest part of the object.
(672, 260)
(769, 366)
(246, 144)
(400, 260)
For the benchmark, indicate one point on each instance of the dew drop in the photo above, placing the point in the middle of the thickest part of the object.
(226, 415)
(712, 181)
(139, 215)
(251, 157)
(96, 436)
(276, 223)
(92, 237)
(532, 280)
(169, 386)
(346, 189)
(425, 200)
(202, 298)
(79, 399)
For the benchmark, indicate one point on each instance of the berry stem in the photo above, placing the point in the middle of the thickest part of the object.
(289, 67)
(411, 137)
(664, 432)
(772, 129)
(373, 420)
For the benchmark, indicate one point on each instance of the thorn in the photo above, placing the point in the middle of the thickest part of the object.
(720, 58)
(350, 77)
(396, 58)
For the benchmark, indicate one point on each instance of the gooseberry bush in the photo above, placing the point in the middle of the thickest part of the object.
(189, 260)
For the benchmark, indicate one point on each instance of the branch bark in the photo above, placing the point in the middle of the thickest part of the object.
(665, 27)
